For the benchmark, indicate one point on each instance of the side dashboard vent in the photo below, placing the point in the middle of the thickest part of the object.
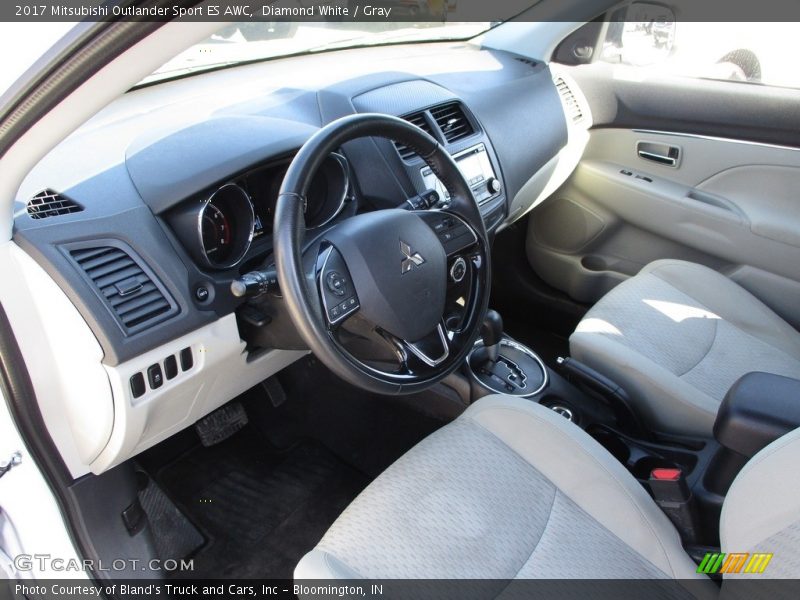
(452, 121)
(126, 288)
(420, 121)
(527, 61)
(571, 106)
(51, 204)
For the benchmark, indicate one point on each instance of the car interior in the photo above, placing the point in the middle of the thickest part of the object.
(486, 308)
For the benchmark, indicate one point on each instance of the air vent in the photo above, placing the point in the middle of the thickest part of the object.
(571, 106)
(126, 288)
(420, 121)
(51, 204)
(452, 121)
(527, 61)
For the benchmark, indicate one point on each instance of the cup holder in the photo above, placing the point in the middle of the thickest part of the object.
(640, 457)
(612, 443)
(561, 407)
(592, 262)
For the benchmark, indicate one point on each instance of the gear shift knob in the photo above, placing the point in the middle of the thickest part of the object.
(492, 333)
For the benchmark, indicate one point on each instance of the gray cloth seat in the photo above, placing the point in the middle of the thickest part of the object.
(508, 490)
(677, 336)
(511, 490)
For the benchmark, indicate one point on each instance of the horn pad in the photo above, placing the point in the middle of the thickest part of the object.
(399, 270)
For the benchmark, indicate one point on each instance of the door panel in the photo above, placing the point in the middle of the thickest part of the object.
(626, 97)
(732, 205)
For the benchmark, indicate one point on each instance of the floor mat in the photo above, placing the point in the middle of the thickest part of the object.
(366, 430)
(174, 535)
(260, 510)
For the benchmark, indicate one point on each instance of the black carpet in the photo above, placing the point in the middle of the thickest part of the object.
(259, 509)
(265, 496)
(366, 430)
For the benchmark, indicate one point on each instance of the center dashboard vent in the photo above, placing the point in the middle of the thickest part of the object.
(452, 121)
(48, 203)
(420, 121)
(571, 106)
(133, 295)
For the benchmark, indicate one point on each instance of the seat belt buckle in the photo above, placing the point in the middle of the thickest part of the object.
(669, 485)
(672, 494)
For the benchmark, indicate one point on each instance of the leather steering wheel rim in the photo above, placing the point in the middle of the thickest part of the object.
(298, 285)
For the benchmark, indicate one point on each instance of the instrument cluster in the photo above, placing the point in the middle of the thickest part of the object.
(218, 228)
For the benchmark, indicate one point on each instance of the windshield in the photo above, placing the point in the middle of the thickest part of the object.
(243, 42)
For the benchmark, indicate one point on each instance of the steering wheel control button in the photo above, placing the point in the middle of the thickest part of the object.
(137, 385)
(459, 270)
(343, 309)
(154, 376)
(337, 284)
(452, 232)
(338, 295)
(348, 305)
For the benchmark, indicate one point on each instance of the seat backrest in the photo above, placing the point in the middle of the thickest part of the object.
(761, 513)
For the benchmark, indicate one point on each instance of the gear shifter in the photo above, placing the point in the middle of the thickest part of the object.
(505, 366)
(492, 333)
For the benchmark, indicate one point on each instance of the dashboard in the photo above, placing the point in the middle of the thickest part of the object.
(145, 216)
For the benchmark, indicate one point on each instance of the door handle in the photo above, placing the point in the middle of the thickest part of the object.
(663, 154)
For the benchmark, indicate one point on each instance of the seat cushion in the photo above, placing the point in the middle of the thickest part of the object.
(761, 513)
(677, 336)
(508, 490)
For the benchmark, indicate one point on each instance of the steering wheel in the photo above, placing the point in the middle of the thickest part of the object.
(416, 281)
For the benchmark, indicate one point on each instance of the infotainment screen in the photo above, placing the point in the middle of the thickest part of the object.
(477, 169)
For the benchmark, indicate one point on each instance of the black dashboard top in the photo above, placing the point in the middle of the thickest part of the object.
(160, 151)
(167, 169)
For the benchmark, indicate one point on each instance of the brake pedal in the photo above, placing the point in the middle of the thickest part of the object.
(221, 424)
(274, 390)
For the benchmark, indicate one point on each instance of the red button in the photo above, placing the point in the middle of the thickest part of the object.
(665, 474)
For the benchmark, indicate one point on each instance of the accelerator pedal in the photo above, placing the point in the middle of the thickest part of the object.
(221, 424)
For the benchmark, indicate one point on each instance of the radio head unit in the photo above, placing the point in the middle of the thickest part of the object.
(477, 169)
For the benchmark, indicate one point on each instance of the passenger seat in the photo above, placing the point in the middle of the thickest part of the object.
(677, 336)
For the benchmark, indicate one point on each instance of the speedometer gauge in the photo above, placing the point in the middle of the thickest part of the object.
(218, 229)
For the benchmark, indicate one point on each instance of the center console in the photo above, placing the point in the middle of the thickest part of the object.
(499, 364)
(687, 477)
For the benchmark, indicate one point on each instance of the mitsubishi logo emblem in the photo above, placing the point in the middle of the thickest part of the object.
(410, 260)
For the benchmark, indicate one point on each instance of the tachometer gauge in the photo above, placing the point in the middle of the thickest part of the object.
(217, 234)
(217, 230)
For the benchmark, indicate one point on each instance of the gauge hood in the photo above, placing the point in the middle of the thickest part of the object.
(169, 168)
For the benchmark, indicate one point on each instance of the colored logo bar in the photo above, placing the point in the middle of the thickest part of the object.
(734, 562)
